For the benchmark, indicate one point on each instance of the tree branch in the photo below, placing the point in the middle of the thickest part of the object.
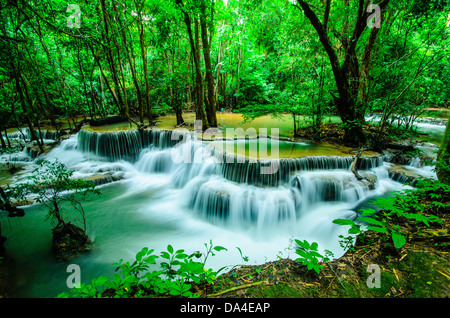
(322, 36)
(5, 37)
(326, 15)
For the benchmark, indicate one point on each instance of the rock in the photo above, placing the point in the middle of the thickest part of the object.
(370, 179)
(118, 176)
(103, 178)
(69, 241)
(33, 150)
(402, 174)
(404, 147)
(100, 179)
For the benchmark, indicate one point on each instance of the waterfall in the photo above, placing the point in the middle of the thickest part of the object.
(325, 186)
(44, 134)
(242, 206)
(155, 161)
(157, 190)
(124, 145)
(249, 171)
(224, 189)
(231, 190)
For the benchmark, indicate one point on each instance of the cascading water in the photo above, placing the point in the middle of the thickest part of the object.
(25, 134)
(172, 191)
(230, 191)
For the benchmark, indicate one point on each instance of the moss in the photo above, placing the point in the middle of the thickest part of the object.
(426, 275)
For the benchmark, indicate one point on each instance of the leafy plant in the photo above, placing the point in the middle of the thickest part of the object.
(53, 184)
(309, 255)
(144, 258)
(375, 225)
(244, 258)
(410, 204)
(175, 276)
(173, 259)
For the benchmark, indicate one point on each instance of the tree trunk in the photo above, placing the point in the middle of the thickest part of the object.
(50, 107)
(194, 43)
(105, 79)
(132, 64)
(25, 109)
(110, 60)
(2, 140)
(200, 109)
(348, 75)
(178, 107)
(144, 64)
(211, 109)
(89, 104)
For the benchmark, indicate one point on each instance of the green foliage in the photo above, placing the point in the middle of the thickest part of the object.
(244, 258)
(175, 276)
(309, 255)
(411, 205)
(266, 59)
(52, 183)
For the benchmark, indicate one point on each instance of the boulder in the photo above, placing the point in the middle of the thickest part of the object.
(369, 179)
(69, 241)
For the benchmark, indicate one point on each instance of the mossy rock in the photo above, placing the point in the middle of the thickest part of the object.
(69, 241)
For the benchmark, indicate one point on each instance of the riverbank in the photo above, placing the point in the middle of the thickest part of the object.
(373, 268)
(420, 269)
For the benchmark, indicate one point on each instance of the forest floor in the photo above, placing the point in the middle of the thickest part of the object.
(420, 269)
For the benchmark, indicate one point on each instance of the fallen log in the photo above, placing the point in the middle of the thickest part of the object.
(353, 167)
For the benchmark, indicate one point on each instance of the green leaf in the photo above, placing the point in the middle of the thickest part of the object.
(354, 230)
(302, 253)
(299, 243)
(306, 245)
(343, 222)
(151, 259)
(367, 212)
(220, 248)
(316, 254)
(317, 268)
(377, 229)
(170, 249)
(100, 281)
(399, 240)
(165, 255)
(370, 220)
